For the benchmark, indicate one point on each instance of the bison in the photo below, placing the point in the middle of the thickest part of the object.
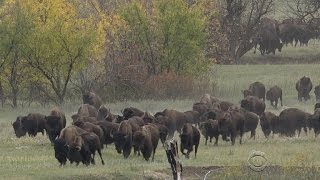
(130, 112)
(189, 137)
(173, 119)
(253, 104)
(316, 122)
(33, 123)
(293, 119)
(256, 89)
(304, 86)
(123, 138)
(317, 93)
(273, 95)
(193, 117)
(104, 114)
(92, 99)
(54, 123)
(210, 128)
(231, 124)
(251, 121)
(18, 129)
(269, 122)
(147, 141)
(87, 110)
(89, 127)
(109, 128)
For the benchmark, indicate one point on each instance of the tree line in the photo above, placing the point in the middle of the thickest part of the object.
(52, 51)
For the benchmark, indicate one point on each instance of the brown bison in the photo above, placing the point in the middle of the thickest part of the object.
(104, 114)
(269, 122)
(225, 105)
(304, 86)
(231, 124)
(273, 95)
(210, 128)
(201, 108)
(54, 123)
(209, 100)
(193, 117)
(87, 110)
(92, 99)
(147, 141)
(89, 127)
(17, 127)
(253, 104)
(130, 112)
(81, 146)
(173, 119)
(251, 121)
(163, 131)
(92, 120)
(109, 128)
(123, 138)
(189, 137)
(256, 89)
(317, 93)
(33, 123)
(292, 120)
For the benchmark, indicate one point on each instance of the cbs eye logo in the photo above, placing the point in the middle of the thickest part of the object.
(257, 161)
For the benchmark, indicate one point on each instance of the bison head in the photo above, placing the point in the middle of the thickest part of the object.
(138, 139)
(224, 123)
(52, 125)
(18, 128)
(87, 97)
(103, 113)
(305, 82)
(247, 93)
(163, 133)
(121, 140)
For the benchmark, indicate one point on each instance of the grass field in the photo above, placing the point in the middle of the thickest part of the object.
(288, 158)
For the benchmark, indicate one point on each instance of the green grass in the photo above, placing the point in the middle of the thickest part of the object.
(33, 158)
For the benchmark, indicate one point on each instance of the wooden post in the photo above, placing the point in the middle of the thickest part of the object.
(171, 148)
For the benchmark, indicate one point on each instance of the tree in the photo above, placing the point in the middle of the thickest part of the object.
(60, 43)
(14, 27)
(237, 23)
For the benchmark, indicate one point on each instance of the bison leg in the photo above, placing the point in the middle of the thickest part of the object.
(276, 103)
(211, 139)
(154, 151)
(253, 134)
(99, 152)
(217, 138)
(205, 143)
(281, 100)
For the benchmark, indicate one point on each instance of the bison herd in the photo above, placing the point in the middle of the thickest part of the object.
(272, 34)
(94, 126)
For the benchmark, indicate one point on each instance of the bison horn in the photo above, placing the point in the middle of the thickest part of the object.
(78, 148)
(111, 134)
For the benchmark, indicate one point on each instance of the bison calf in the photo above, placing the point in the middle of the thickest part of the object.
(273, 95)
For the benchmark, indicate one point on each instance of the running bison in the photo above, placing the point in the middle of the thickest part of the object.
(210, 129)
(146, 140)
(190, 136)
(231, 124)
(273, 95)
(304, 86)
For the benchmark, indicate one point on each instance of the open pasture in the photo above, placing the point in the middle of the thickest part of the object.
(288, 158)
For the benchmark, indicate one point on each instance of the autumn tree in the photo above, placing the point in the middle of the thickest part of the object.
(59, 45)
(234, 27)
